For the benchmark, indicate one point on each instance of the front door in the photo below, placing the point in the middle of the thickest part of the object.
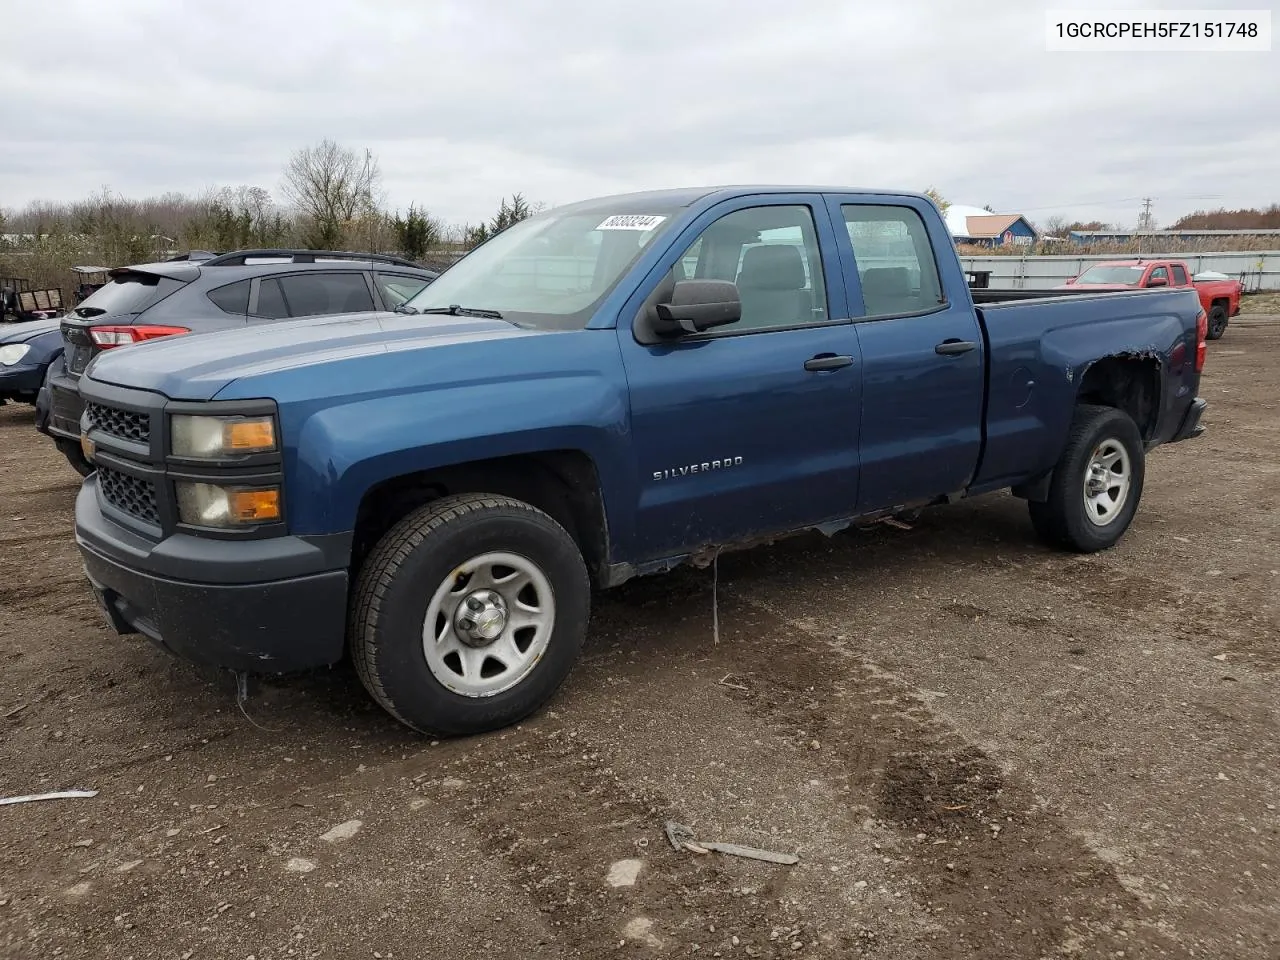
(751, 427)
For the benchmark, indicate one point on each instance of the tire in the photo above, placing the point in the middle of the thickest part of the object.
(1083, 514)
(1217, 322)
(75, 457)
(422, 573)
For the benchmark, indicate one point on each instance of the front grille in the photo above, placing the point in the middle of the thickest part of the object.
(120, 423)
(134, 496)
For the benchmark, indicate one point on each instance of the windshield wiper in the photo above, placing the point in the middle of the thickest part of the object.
(404, 308)
(454, 310)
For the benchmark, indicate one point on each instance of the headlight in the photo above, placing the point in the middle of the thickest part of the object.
(213, 505)
(206, 437)
(11, 353)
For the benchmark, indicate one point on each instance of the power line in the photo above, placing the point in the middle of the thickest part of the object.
(1108, 203)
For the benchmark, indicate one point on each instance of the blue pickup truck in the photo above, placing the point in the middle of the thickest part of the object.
(606, 390)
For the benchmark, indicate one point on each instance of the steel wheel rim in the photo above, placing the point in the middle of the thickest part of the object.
(488, 624)
(1107, 481)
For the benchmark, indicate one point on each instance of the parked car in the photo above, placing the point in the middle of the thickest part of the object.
(26, 351)
(1220, 296)
(242, 290)
(608, 389)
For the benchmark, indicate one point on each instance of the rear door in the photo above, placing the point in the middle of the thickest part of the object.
(922, 351)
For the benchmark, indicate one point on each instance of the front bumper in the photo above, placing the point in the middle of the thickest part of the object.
(21, 381)
(1191, 426)
(65, 407)
(275, 605)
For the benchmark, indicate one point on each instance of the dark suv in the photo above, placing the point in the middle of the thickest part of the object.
(230, 291)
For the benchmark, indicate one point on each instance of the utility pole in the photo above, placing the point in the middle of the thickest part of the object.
(1144, 221)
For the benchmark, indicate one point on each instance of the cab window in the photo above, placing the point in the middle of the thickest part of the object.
(771, 253)
(896, 268)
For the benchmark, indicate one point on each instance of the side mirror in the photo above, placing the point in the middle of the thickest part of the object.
(698, 305)
(1157, 282)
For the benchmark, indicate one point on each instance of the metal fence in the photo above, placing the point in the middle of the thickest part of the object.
(1257, 270)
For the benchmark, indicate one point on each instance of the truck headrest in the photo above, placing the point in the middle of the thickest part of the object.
(774, 266)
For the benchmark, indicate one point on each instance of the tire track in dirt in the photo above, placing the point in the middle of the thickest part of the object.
(1005, 877)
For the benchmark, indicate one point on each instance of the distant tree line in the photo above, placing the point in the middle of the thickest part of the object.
(330, 197)
(1220, 219)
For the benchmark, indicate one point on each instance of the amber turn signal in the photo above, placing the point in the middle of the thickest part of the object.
(255, 506)
(249, 435)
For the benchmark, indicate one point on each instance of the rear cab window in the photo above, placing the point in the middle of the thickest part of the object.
(1179, 275)
(896, 267)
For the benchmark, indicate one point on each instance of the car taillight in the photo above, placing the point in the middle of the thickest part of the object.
(1202, 331)
(107, 337)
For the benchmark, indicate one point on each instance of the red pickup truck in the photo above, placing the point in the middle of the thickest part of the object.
(1220, 298)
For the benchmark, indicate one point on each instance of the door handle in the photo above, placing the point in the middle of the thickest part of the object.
(827, 361)
(951, 348)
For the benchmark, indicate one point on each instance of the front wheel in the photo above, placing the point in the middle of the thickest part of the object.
(468, 614)
(1217, 322)
(1096, 485)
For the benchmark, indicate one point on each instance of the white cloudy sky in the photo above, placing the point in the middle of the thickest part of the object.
(464, 101)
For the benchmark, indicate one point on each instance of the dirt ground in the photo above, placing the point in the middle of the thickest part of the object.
(978, 748)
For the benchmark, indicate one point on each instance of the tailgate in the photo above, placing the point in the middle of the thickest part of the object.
(79, 346)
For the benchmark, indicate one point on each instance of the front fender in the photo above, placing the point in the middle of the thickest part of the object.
(344, 451)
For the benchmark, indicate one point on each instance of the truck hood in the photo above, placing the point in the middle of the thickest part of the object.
(22, 332)
(198, 366)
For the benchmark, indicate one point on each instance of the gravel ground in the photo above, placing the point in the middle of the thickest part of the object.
(978, 748)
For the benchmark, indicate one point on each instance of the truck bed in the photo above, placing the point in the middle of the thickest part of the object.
(1040, 344)
(985, 295)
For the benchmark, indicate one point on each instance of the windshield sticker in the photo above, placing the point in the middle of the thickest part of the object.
(630, 221)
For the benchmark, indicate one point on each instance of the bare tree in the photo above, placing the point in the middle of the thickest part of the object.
(331, 186)
(1056, 226)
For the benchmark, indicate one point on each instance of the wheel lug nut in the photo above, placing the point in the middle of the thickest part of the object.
(466, 623)
(474, 603)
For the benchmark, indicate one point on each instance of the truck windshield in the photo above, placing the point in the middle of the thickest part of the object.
(548, 272)
(1105, 274)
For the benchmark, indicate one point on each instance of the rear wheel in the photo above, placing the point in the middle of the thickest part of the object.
(1217, 322)
(468, 614)
(1096, 485)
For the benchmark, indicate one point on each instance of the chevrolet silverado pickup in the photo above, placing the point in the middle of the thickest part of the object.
(1219, 296)
(606, 390)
